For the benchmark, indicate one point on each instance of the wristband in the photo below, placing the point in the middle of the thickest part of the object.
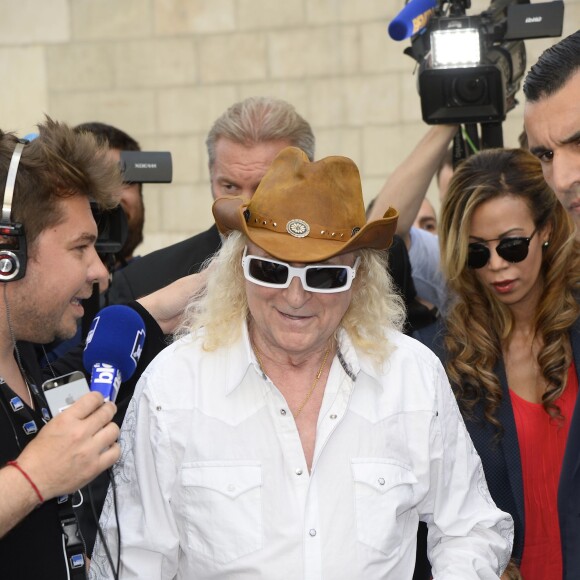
(33, 485)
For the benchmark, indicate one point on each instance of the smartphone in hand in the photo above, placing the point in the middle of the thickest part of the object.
(62, 392)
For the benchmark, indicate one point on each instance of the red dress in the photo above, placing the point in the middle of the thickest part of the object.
(542, 442)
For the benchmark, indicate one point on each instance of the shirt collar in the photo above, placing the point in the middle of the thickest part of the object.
(242, 359)
(353, 361)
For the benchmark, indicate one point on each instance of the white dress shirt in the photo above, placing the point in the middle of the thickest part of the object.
(212, 481)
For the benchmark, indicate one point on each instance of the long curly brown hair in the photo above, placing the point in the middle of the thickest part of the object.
(479, 325)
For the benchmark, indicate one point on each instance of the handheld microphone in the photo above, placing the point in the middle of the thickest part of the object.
(411, 19)
(114, 344)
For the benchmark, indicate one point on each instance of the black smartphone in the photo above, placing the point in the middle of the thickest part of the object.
(62, 392)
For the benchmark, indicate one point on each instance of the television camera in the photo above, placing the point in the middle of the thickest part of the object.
(471, 67)
(136, 167)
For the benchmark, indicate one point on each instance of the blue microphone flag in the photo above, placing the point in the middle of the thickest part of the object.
(114, 344)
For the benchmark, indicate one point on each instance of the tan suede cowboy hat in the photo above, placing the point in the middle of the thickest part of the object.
(306, 211)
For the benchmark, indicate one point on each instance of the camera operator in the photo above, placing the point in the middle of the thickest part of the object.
(131, 199)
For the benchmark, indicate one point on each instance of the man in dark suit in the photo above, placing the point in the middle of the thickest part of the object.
(241, 145)
(552, 124)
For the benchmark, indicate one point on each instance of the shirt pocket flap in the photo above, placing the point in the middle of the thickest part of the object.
(382, 474)
(231, 480)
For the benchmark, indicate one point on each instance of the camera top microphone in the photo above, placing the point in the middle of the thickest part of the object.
(411, 19)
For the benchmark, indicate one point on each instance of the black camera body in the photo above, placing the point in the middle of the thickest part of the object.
(473, 94)
(136, 167)
(482, 91)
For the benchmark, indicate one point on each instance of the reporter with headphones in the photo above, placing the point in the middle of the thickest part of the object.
(48, 264)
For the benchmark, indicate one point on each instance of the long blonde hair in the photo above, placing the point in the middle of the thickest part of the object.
(221, 307)
(479, 325)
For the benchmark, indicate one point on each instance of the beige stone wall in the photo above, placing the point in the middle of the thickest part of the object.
(163, 70)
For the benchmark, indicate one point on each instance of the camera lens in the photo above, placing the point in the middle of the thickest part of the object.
(469, 90)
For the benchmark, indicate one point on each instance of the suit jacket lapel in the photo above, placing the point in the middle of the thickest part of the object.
(571, 463)
(509, 442)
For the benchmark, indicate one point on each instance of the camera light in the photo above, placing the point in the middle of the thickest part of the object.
(451, 48)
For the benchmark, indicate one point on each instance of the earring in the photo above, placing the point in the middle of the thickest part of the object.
(545, 244)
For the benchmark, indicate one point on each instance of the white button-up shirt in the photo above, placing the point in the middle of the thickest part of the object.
(212, 482)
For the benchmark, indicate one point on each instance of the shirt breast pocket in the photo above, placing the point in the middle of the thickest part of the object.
(223, 508)
(384, 497)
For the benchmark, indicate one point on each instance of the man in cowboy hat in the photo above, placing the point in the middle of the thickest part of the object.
(293, 431)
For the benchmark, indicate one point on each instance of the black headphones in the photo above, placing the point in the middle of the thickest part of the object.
(12, 238)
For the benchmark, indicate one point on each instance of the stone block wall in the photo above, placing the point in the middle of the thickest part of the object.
(163, 70)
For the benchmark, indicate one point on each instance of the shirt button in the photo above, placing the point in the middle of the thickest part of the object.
(282, 411)
(381, 480)
(333, 416)
(312, 532)
(298, 471)
(231, 487)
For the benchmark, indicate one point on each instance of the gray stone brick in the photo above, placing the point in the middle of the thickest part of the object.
(305, 53)
(155, 63)
(187, 110)
(133, 111)
(25, 22)
(265, 14)
(232, 57)
(200, 16)
(23, 100)
(110, 19)
(74, 67)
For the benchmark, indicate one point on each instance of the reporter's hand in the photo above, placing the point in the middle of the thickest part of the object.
(73, 448)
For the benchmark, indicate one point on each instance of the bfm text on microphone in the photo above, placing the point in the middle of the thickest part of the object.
(114, 344)
(411, 19)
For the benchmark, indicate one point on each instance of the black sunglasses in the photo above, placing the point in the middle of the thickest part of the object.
(510, 249)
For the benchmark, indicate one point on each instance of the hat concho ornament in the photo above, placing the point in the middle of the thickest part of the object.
(298, 228)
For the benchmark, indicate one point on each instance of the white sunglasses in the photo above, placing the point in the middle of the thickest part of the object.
(323, 278)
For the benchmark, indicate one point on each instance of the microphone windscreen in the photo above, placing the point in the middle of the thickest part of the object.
(412, 18)
(116, 337)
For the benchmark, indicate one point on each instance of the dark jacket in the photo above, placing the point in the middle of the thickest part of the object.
(158, 269)
(502, 464)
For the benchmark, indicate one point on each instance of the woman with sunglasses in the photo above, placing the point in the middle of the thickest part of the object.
(293, 431)
(511, 340)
